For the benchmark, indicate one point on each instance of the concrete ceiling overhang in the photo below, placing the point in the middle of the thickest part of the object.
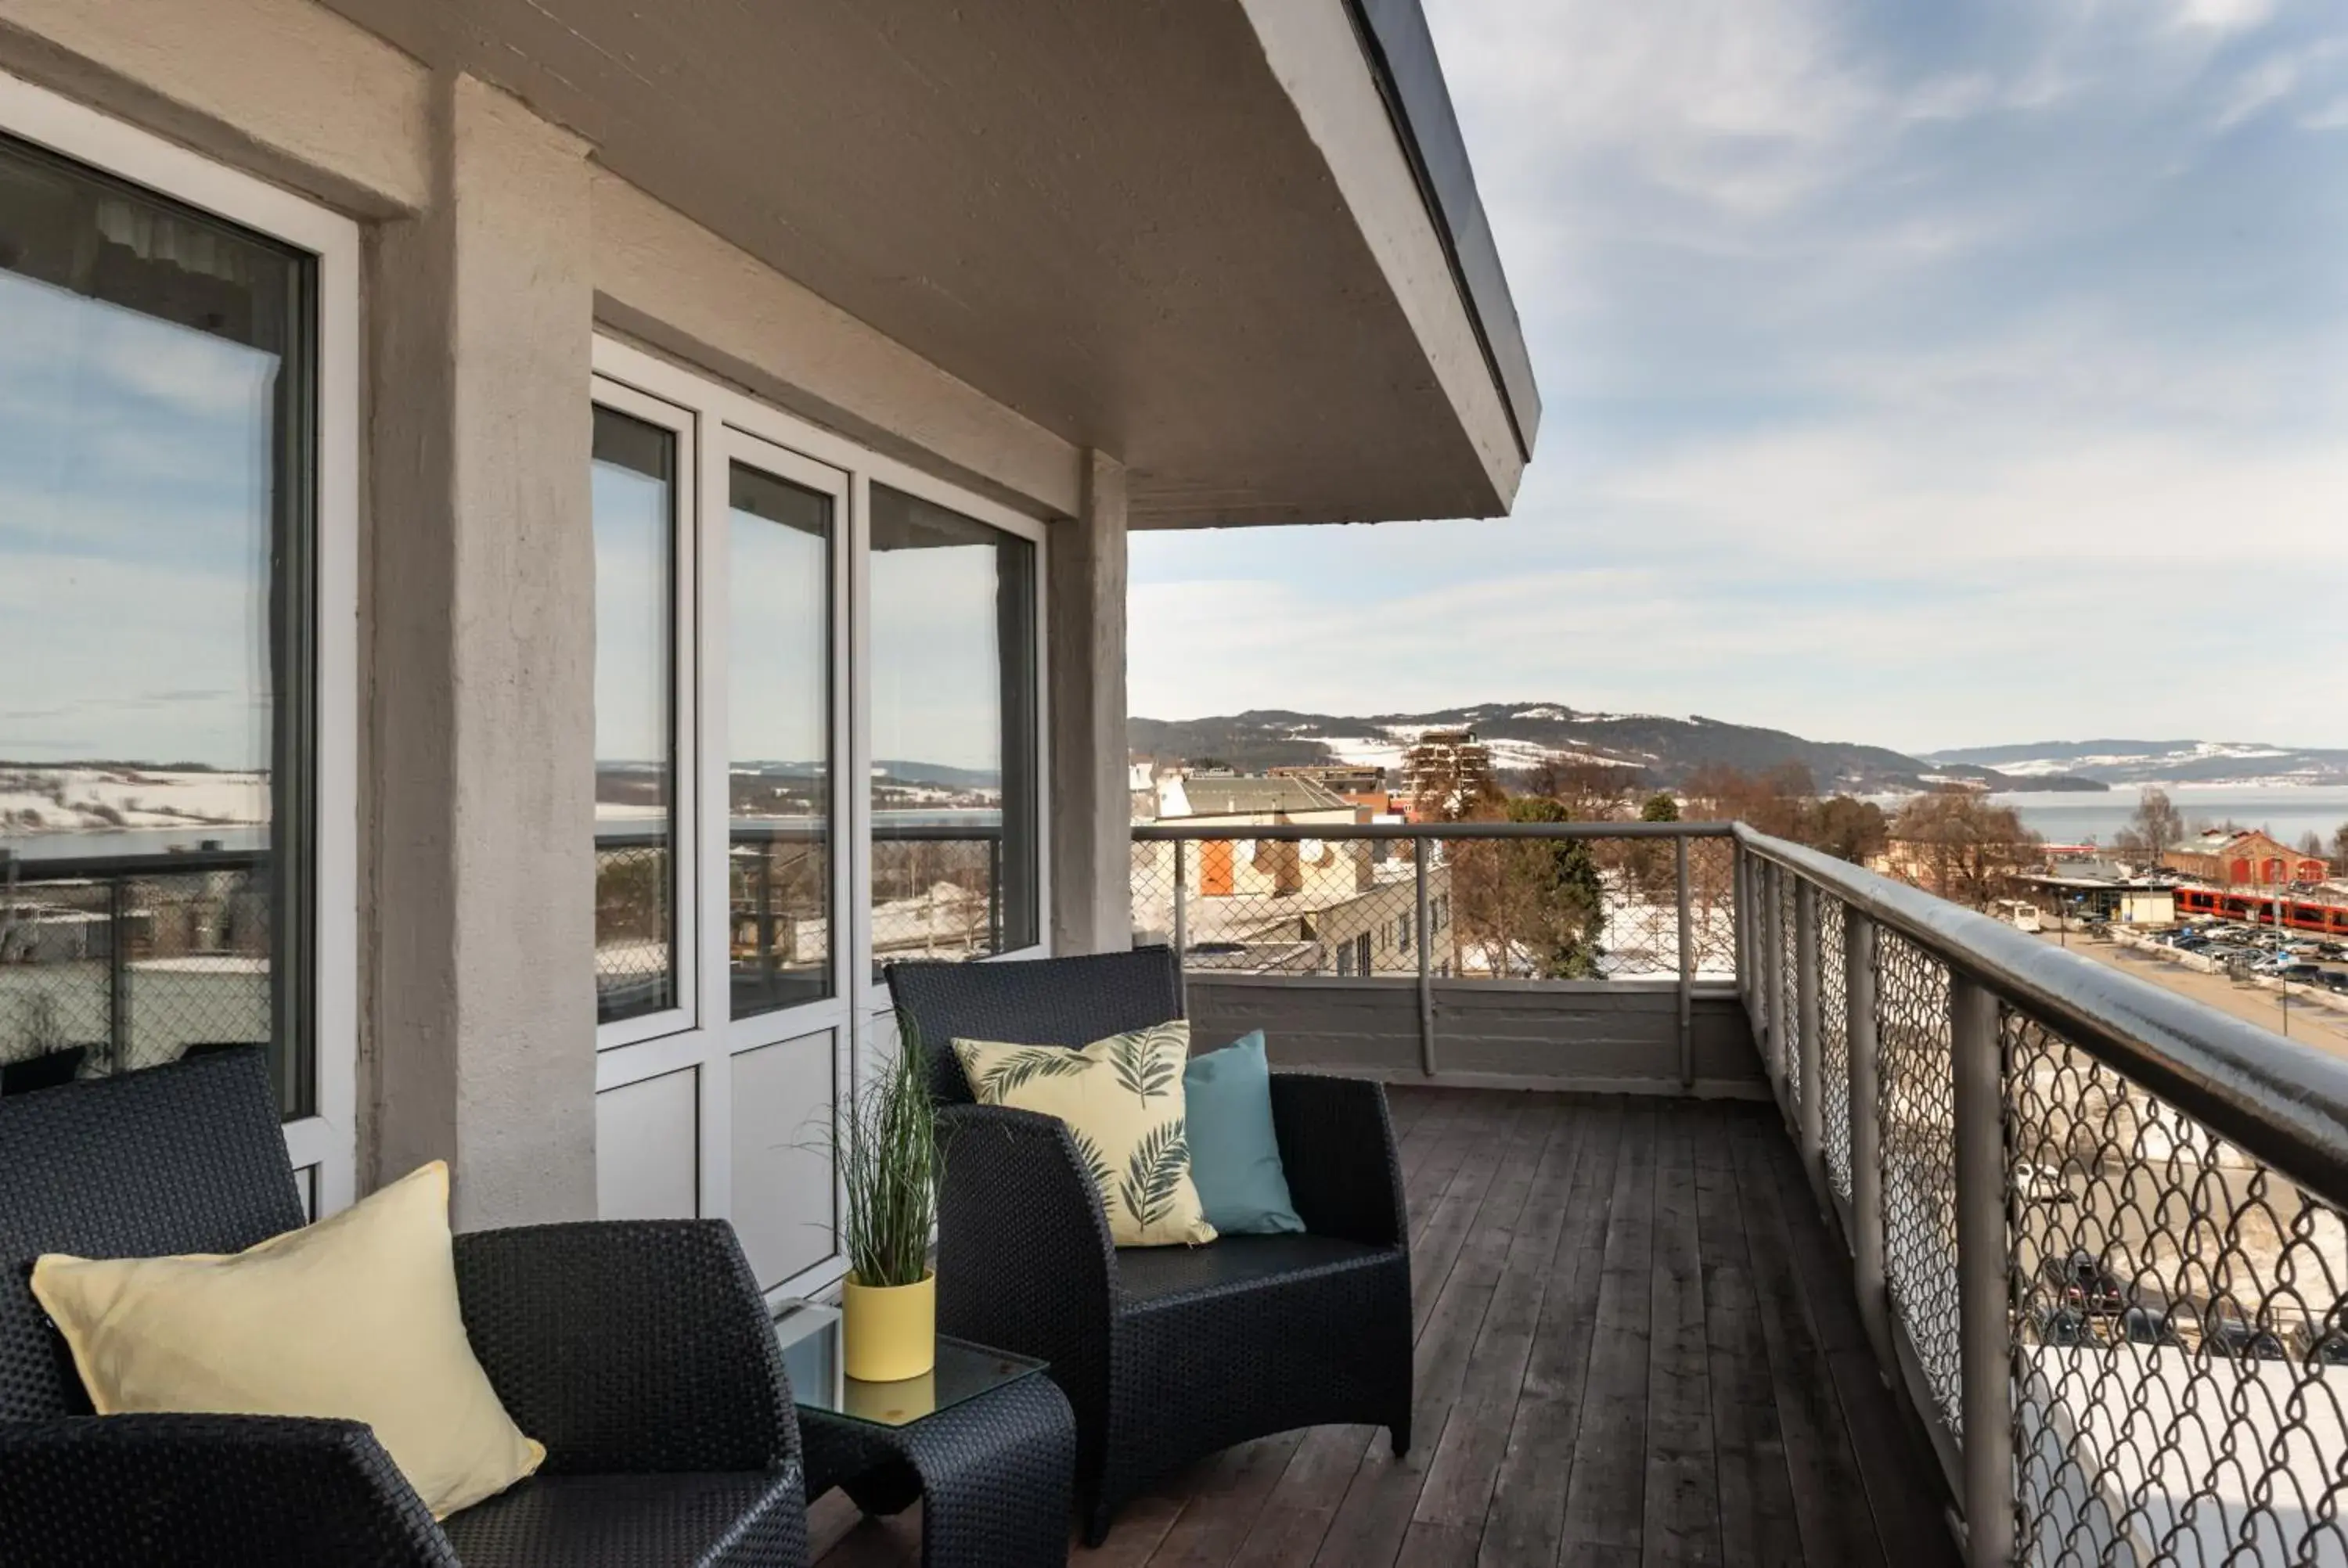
(1191, 233)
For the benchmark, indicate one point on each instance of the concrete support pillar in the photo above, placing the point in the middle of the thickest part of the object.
(478, 991)
(1091, 809)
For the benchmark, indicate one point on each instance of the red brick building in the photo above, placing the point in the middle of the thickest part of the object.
(2235, 859)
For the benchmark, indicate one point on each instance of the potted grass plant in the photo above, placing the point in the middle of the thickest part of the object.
(889, 1165)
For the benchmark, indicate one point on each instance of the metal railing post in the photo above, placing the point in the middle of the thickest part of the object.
(117, 974)
(1425, 960)
(1181, 905)
(1984, 1325)
(1773, 970)
(1806, 1041)
(1865, 1136)
(1741, 914)
(1687, 965)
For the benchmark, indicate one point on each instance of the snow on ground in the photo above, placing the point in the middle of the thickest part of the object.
(76, 799)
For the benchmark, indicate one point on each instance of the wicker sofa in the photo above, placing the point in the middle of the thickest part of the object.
(639, 1353)
(1167, 1354)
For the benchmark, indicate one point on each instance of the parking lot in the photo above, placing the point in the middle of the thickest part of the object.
(2305, 1020)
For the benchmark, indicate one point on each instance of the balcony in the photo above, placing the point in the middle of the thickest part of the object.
(1828, 1222)
(1761, 1207)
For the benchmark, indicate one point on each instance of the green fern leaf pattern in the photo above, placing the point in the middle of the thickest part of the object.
(1104, 1180)
(1143, 1064)
(1035, 1061)
(1154, 1171)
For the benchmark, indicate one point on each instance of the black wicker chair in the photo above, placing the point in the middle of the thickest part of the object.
(639, 1353)
(1166, 1353)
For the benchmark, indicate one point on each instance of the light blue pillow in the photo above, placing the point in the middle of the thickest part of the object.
(1234, 1151)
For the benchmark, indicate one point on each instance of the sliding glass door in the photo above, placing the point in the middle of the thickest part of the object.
(817, 691)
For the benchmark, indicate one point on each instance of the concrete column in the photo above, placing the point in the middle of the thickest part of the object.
(478, 993)
(1091, 811)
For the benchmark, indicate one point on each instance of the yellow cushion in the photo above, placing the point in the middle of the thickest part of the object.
(1122, 1101)
(355, 1317)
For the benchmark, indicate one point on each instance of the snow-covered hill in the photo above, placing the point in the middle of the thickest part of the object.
(2117, 762)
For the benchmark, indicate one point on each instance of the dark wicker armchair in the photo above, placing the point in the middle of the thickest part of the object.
(1166, 1353)
(639, 1353)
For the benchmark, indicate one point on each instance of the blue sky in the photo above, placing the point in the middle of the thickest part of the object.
(1923, 374)
(134, 535)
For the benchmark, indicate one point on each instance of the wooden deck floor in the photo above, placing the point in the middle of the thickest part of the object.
(1636, 1345)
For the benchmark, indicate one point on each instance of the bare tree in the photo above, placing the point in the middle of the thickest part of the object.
(1961, 847)
(2155, 822)
(1593, 791)
(2340, 849)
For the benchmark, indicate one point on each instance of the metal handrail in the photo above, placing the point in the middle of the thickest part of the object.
(2285, 1105)
(20, 869)
(759, 833)
(1178, 831)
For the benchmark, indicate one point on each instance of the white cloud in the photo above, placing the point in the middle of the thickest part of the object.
(2225, 16)
(1917, 375)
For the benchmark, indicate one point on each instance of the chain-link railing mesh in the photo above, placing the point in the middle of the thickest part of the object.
(778, 916)
(636, 929)
(1917, 1096)
(1834, 1047)
(1297, 906)
(936, 897)
(1516, 908)
(2180, 1333)
(184, 958)
(1789, 960)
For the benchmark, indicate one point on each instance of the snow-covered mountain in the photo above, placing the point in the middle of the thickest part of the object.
(2159, 762)
(1522, 735)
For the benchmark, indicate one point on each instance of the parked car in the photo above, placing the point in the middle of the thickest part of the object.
(2042, 1183)
(2232, 1336)
(2086, 1284)
(2148, 1326)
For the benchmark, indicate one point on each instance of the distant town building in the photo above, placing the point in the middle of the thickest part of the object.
(1443, 770)
(2104, 890)
(2236, 859)
(1358, 784)
(1242, 799)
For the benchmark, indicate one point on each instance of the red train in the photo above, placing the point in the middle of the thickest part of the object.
(2258, 909)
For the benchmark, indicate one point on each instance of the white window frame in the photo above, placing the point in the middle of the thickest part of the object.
(684, 750)
(726, 425)
(322, 1145)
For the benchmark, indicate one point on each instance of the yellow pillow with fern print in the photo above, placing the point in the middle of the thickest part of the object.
(1121, 1099)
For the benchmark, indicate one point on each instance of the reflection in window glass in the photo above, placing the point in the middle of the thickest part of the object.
(953, 733)
(157, 467)
(779, 697)
(636, 762)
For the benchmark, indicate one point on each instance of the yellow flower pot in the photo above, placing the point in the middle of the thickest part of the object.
(889, 1332)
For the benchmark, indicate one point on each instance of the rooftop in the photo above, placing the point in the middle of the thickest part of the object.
(1248, 794)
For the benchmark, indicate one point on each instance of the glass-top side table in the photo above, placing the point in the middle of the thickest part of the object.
(987, 1446)
(964, 1372)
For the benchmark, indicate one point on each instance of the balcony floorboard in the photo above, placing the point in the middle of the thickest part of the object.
(1636, 1345)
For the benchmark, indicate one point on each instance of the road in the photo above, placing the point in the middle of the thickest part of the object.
(2309, 1022)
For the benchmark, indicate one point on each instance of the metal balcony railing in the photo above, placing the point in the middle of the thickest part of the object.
(1525, 904)
(113, 962)
(938, 891)
(2097, 1228)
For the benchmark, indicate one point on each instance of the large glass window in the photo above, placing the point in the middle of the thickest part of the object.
(778, 713)
(158, 472)
(634, 500)
(953, 733)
